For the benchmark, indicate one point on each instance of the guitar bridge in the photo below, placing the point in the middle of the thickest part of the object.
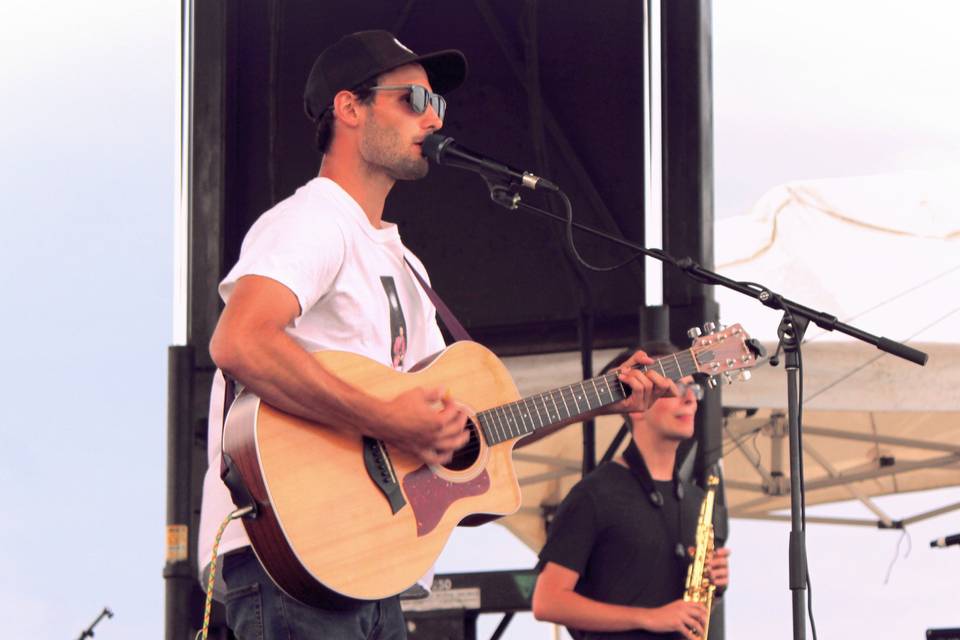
(380, 469)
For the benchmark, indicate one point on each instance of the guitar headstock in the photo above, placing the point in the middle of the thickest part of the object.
(721, 351)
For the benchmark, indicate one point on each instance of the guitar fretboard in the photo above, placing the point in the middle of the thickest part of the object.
(523, 417)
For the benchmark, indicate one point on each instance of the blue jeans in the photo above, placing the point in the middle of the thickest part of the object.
(258, 610)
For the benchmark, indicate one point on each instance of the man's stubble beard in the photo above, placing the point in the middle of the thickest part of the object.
(384, 148)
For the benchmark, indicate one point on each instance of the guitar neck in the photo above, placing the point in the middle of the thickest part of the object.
(542, 410)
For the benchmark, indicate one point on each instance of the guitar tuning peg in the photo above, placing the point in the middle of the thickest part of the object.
(728, 377)
(709, 327)
(744, 375)
(693, 333)
(712, 382)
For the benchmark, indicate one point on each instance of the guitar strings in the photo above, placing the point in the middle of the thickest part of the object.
(473, 447)
(476, 424)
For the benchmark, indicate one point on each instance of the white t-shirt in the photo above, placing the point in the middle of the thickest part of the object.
(356, 294)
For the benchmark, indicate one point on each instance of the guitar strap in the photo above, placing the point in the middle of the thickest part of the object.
(446, 316)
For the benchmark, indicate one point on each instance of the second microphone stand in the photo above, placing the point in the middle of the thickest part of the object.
(793, 325)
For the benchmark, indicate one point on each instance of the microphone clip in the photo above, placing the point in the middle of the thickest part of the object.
(502, 193)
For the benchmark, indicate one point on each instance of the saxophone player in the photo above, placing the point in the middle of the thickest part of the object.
(616, 557)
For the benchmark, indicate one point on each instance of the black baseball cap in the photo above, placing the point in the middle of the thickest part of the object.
(363, 55)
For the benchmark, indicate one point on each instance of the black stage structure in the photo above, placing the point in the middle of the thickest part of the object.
(555, 88)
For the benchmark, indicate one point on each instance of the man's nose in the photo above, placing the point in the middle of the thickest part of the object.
(432, 119)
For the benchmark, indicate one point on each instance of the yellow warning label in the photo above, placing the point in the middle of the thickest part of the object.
(177, 540)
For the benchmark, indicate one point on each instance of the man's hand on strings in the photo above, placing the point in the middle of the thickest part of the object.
(426, 423)
(646, 387)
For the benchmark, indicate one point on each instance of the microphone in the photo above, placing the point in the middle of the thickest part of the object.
(444, 150)
(947, 541)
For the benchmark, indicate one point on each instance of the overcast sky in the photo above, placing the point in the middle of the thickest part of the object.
(87, 176)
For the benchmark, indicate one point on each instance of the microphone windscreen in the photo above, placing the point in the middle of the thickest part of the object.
(432, 145)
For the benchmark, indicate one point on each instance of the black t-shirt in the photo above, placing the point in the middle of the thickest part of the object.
(622, 545)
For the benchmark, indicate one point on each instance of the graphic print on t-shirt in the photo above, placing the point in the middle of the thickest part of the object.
(398, 326)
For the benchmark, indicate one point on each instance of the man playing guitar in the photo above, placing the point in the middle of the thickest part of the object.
(323, 271)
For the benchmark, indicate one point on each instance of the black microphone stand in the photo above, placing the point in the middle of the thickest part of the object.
(792, 327)
(88, 632)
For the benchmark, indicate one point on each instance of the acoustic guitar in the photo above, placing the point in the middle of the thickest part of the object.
(340, 517)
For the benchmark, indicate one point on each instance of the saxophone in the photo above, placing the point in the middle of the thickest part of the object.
(698, 587)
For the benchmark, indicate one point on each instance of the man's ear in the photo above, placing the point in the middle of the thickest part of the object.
(346, 108)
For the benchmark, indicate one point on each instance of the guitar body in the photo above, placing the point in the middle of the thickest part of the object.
(324, 530)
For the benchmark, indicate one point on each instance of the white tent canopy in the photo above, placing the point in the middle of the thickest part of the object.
(881, 253)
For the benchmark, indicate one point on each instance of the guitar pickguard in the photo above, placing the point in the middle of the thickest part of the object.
(430, 495)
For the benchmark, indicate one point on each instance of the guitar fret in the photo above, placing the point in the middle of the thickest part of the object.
(679, 368)
(539, 417)
(600, 401)
(521, 422)
(521, 406)
(554, 401)
(667, 368)
(693, 357)
(492, 422)
(528, 424)
(564, 401)
(517, 419)
(527, 403)
(606, 383)
(498, 425)
(623, 388)
(504, 423)
(593, 381)
(491, 426)
(585, 394)
(682, 365)
(525, 412)
(483, 427)
(574, 394)
(679, 365)
(688, 355)
(528, 416)
(508, 426)
(546, 409)
(526, 420)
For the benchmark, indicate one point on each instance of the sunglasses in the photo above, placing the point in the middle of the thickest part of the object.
(419, 97)
(683, 387)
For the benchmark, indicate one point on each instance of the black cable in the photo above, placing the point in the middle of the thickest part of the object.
(576, 254)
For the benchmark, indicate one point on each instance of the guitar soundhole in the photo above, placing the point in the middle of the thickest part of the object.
(464, 457)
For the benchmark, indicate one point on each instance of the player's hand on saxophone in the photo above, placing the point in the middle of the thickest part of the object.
(718, 569)
(687, 618)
